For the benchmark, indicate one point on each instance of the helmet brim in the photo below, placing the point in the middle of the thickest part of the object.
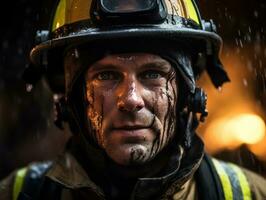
(211, 41)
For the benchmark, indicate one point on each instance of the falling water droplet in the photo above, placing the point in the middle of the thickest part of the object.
(240, 43)
(29, 87)
(245, 82)
(256, 14)
(76, 53)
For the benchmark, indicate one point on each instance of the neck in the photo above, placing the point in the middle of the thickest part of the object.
(118, 181)
(97, 163)
(147, 170)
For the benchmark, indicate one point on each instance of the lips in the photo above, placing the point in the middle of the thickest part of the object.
(130, 128)
(135, 133)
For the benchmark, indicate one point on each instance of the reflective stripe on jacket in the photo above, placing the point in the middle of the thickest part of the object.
(233, 180)
(236, 183)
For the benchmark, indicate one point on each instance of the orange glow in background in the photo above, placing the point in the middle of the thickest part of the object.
(232, 131)
(235, 116)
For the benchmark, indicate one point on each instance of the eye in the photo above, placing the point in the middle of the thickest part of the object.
(151, 74)
(107, 75)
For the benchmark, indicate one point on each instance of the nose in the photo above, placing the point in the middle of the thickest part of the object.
(130, 97)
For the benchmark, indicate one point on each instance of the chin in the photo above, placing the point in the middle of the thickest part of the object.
(130, 154)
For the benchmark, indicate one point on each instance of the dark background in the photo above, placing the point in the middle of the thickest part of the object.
(27, 132)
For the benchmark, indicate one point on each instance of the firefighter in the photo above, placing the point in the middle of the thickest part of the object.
(123, 74)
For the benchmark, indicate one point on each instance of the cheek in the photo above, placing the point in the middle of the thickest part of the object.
(161, 108)
(164, 107)
(172, 93)
(94, 103)
(172, 98)
(94, 112)
(163, 101)
(100, 102)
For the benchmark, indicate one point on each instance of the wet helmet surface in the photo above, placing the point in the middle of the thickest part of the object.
(119, 25)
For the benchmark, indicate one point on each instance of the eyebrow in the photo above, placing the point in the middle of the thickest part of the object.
(99, 67)
(158, 65)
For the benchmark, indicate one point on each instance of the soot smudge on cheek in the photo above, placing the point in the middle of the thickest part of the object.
(94, 116)
(172, 98)
(167, 94)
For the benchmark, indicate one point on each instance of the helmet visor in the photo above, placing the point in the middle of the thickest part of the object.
(70, 11)
(122, 6)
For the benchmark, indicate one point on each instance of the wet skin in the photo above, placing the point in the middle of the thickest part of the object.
(132, 101)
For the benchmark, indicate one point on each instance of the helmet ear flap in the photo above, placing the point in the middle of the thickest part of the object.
(197, 103)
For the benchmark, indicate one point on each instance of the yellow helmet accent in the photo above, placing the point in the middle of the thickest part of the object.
(59, 15)
(192, 12)
(183, 8)
(70, 11)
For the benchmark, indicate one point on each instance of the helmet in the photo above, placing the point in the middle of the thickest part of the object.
(159, 24)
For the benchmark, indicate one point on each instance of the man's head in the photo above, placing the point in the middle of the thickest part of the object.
(131, 105)
(129, 100)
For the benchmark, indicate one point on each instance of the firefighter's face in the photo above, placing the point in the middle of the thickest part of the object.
(132, 102)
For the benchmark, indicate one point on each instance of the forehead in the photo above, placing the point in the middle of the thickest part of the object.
(128, 57)
(132, 60)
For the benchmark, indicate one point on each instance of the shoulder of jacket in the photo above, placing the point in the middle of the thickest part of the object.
(6, 186)
(11, 186)
(257, 184)
(237, 180)
(233, 180)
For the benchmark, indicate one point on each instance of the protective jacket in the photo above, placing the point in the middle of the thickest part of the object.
(197, 176)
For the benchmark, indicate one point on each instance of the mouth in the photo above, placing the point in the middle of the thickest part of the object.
(130, 128)
(132, 133)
